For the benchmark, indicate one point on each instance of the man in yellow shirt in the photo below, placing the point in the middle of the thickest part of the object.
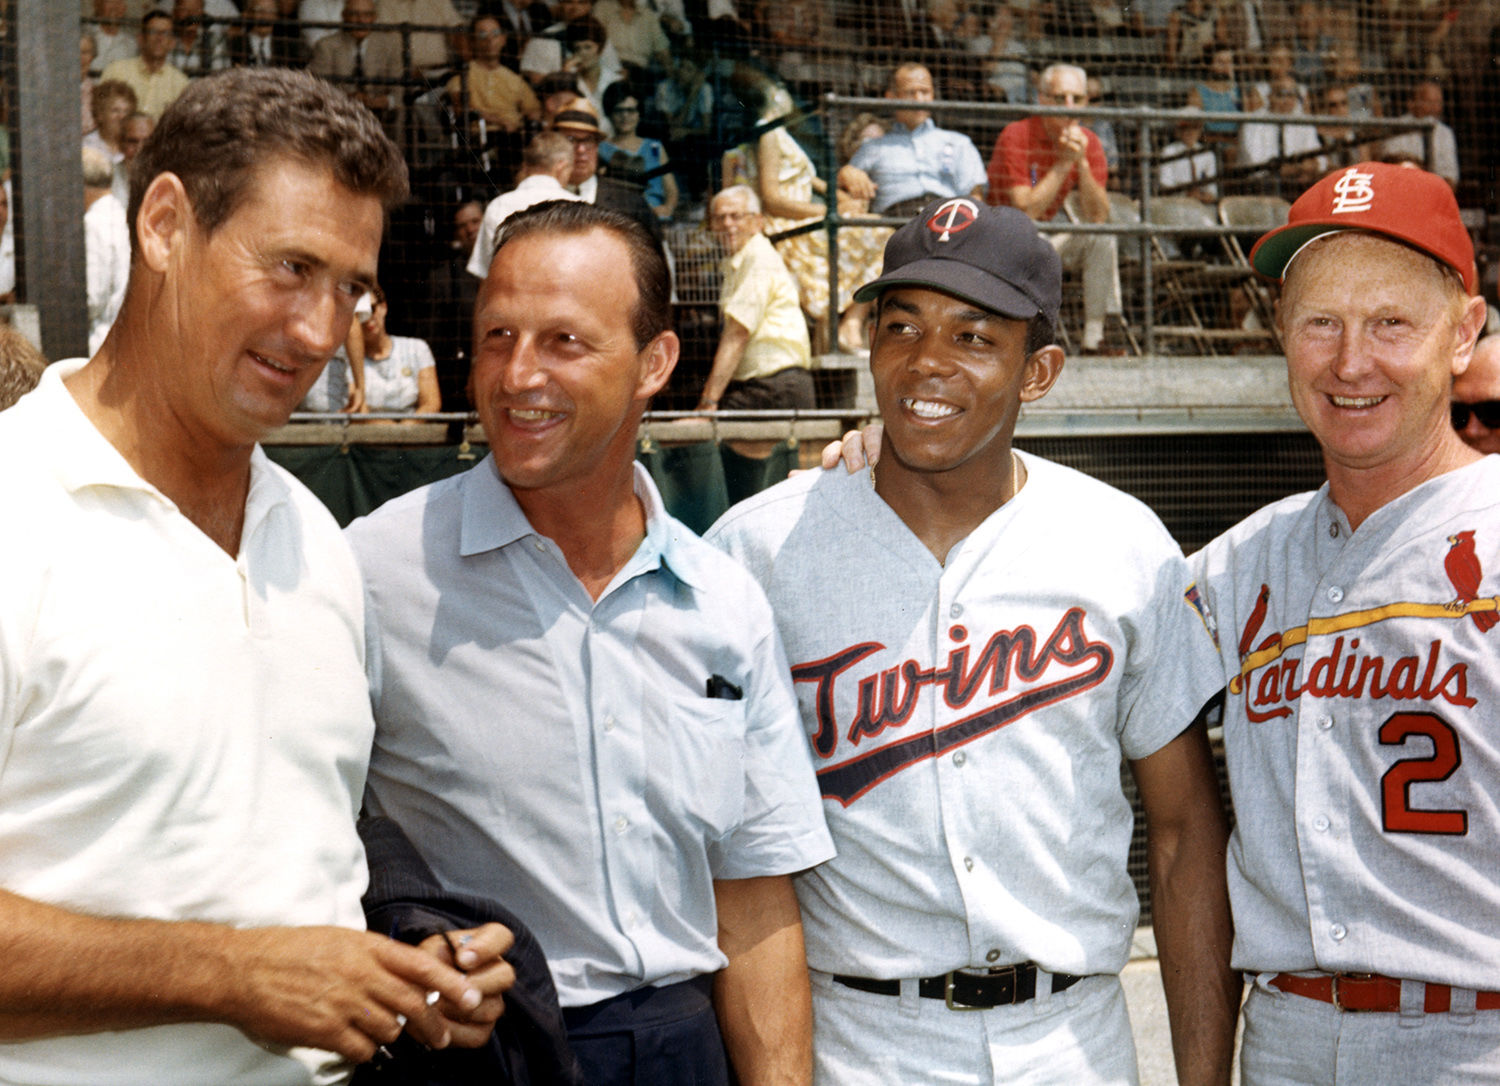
(155, 82)
(492, 93)
(763, 355)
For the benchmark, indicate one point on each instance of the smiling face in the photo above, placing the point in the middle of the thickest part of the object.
(733, 220)
(558, 379)
(626, 115)
(1373, 335)
(256, 307)
(950, 379)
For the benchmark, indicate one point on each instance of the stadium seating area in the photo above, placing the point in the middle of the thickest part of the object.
(1186, 202)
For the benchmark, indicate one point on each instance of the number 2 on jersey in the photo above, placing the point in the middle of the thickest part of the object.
(1395, 786)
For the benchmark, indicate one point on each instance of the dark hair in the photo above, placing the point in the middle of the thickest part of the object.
(225, 126)
(617, 92)
(486, 17)
(586, 29)
(1040, 333)
(653, 306)
(155, 14)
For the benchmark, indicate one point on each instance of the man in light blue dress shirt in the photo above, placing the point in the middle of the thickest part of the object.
(583, 711)
(916, 161)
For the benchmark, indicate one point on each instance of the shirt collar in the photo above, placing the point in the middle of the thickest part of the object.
(84, 457)
(492, 518)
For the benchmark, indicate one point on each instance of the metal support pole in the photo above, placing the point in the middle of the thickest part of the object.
(48, 183)
(1148, 281)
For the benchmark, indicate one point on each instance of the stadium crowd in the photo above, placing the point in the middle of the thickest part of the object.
(693, 96)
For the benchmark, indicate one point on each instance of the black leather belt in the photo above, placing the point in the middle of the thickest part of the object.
(911, 206)
(971, 991)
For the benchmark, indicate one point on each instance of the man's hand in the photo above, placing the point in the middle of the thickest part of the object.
(342, 990)
(856, 449)
(355, 404)
(1073, 144)
(476, 952)
(856, 183)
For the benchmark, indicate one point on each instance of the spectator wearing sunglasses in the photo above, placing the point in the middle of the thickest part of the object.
(1476, 398)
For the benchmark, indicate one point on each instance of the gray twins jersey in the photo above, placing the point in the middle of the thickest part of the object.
(968, 719)
(1360, 731)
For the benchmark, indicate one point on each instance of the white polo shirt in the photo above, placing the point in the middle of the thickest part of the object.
(183, 734)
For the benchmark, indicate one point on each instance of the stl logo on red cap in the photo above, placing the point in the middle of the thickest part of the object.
(1354, 192)
(953, 217)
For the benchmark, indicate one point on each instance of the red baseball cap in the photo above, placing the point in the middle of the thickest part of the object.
(1403, 203)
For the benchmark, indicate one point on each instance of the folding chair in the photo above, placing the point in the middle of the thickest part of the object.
(1196, 289)
(1251, 216)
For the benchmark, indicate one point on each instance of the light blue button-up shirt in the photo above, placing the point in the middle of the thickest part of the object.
(560, 755)
(909, 162)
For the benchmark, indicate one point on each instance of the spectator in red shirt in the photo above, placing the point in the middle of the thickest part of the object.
(1037, 162)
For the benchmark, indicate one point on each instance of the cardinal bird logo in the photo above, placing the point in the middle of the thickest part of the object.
(1464, 571)
(1254, 622)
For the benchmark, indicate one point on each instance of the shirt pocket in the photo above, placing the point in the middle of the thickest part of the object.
(707, 757)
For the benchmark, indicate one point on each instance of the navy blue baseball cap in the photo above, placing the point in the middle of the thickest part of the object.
(990, 256)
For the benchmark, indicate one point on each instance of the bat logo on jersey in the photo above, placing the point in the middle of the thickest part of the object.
(1011, 676)
(1270, 678)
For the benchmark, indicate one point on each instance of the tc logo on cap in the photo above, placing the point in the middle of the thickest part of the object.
(1353, 192)
(953, 217)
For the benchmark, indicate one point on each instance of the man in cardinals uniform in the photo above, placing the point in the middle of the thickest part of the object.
(1355, 628)
(977, 638)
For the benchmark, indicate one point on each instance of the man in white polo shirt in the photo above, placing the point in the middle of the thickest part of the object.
(184, 721)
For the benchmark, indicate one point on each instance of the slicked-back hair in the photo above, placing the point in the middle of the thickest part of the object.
(652, 314)
(225, 126)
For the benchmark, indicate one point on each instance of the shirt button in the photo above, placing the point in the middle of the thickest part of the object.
(1338, 931)
(1336, 594)
(1325, 722)
(960, 758)
(609, 723)
(1333, 530)
(956, 610)
(622, 824)
(539, 545)
(992, 956)
(968, 863)
(1320, 824)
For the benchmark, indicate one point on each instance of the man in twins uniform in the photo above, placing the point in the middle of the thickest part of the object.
(973, 657)
(1356, 638)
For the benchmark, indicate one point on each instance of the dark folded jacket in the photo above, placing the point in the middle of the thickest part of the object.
(530, 1044)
